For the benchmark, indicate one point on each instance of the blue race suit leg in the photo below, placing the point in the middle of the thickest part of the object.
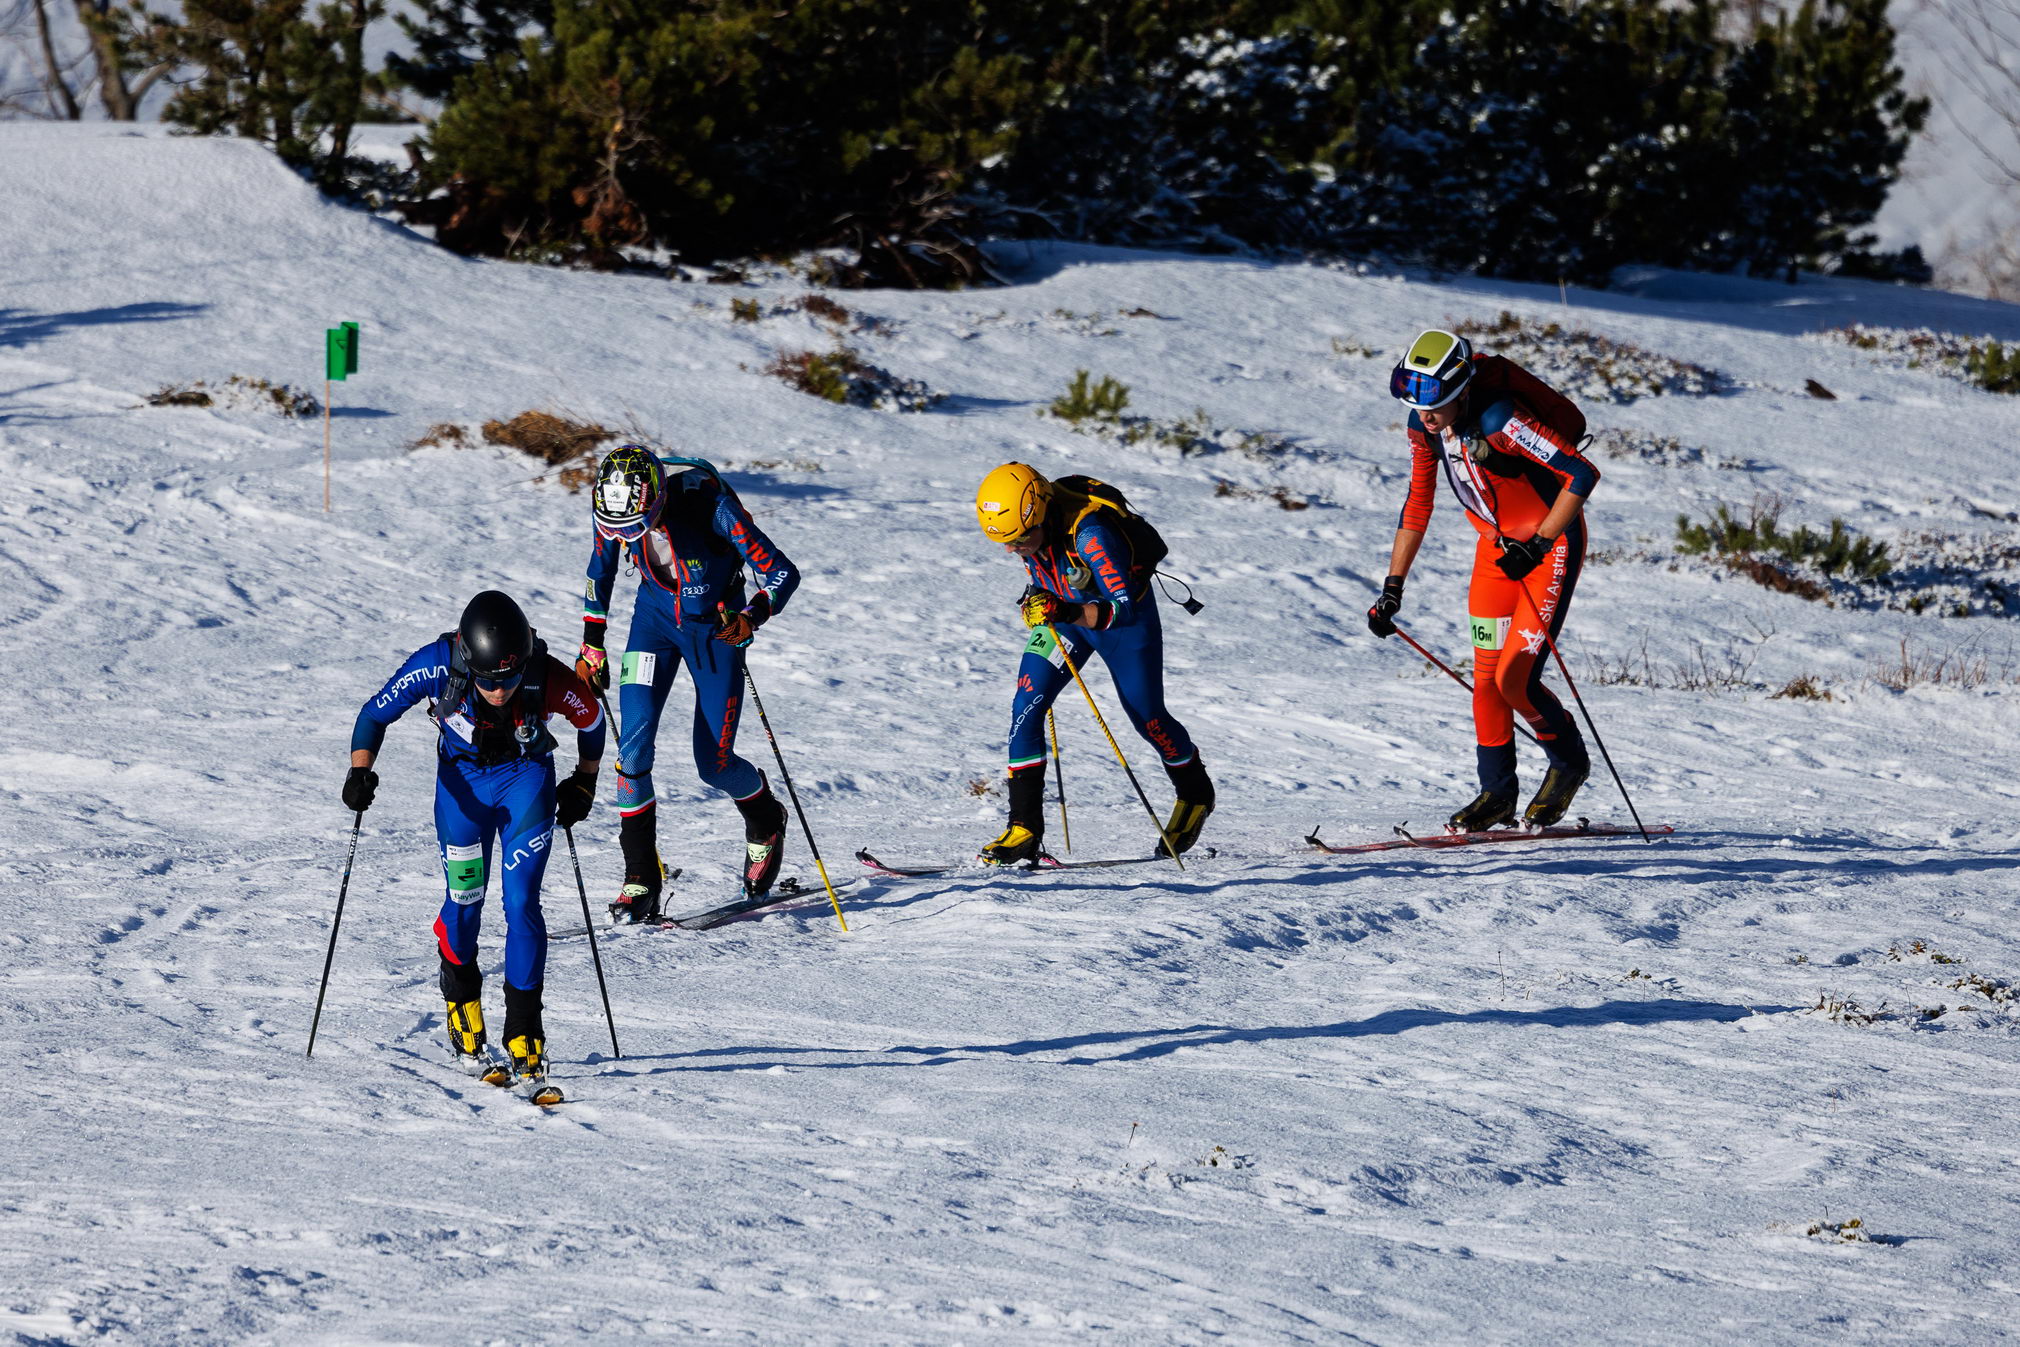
(1041, 677)
(464, 827)
(651, 659)
(1135, 658)
(523, 796)
(511, 803)
(717, 668)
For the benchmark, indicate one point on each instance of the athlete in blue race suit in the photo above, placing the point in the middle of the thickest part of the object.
(1089, 582)
(684, 531)
(491, 687)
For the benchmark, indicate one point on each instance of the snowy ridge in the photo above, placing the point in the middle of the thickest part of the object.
(1574, 1094)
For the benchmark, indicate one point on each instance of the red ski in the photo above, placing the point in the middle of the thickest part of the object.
(1404, 839)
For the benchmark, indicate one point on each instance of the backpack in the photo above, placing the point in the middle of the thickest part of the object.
(530, 739)
(1146, 546)
(1496, 377)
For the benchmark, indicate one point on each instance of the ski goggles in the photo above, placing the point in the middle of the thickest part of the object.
(490, 684)
(628, 531)
(1427, 392)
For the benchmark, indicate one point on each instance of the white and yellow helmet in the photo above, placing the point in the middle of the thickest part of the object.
(1011, 502)
(1437, 369)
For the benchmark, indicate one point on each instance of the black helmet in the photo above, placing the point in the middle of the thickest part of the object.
(494, 637)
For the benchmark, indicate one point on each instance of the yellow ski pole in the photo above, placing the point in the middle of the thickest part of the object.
(1099, 720)
(1059, 772)
(794, 796)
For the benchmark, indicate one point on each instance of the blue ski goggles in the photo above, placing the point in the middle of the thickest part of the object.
(489, 684)
(1428, 391)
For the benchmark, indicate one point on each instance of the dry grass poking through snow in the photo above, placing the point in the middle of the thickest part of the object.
(1587, 367)
(238, 393)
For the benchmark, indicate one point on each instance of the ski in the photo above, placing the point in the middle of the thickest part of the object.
(787, 890)
(905, 872)
(1044, 862)
(1404, 839)
(495, 1069)
(1047, 862)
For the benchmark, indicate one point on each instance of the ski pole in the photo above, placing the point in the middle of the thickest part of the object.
(342, 889)
(1059, 772)
(1565, 669)
(1098, 719)
(794, 796)
(594, 956)
(1455, 675)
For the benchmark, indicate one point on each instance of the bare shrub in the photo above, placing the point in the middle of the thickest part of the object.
(554, 440)
(1965, 668)
(825, 309)
(443, 435)
(843, 376)
(1802, 688)
(1727, 669)
(1282, 496)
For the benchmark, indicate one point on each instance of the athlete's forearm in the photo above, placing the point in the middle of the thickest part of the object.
(1569, 503)
(1405, 550)
(362, 757)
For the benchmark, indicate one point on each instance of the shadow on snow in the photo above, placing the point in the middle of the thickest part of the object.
(1145, 1044)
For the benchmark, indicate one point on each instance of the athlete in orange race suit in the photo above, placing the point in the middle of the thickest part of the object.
(1507, 445)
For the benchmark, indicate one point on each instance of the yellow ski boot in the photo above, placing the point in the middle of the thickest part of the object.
(529, 1071)
(1016, 846)
(469, 1050)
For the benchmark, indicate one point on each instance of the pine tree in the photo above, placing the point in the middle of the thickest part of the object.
(452, 36)
(265, 70)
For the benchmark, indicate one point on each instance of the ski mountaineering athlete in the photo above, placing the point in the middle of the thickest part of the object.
(1090, 560)
(689, 538)
(1507, 444)
(491, 686)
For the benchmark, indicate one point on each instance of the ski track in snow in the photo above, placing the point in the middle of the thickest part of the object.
(1555, 1092)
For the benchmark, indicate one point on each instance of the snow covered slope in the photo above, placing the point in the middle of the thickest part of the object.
(1561, 1092)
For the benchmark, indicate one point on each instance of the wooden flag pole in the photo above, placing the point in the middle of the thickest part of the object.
(340, 361)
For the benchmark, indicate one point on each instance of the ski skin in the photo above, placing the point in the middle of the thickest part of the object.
(1404, 840)
(785, 891)
(1041, 865)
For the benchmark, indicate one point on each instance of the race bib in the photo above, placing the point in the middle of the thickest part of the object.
(638, 667)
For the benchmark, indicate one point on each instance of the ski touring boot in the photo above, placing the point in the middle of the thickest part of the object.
(469, 1049)
(644, 872)
(764, 838)
(1560, 786)
(527, 1042)
(1189, 812)
(1489, 809)
(1023, 841)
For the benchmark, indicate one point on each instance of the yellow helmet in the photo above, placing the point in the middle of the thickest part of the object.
(1011, 502)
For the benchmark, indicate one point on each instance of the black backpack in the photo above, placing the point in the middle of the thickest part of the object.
(1147, 547)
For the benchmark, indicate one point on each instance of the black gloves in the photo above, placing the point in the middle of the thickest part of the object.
(573, 797)
(1386, 607)
(359, 787)
(1517, 559)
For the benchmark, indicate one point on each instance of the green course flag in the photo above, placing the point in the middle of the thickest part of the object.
(341, 351)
